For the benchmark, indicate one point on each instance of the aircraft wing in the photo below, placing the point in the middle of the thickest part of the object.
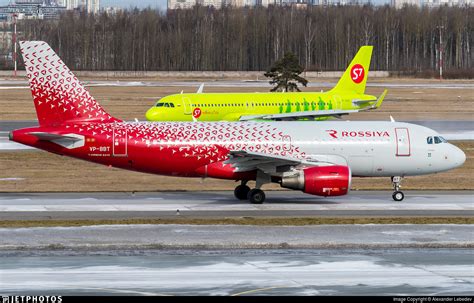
(299, 115)
(244, 161)
(316, 113)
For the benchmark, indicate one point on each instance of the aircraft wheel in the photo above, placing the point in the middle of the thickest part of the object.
(256, 196)
(241, 192)
(398, 196)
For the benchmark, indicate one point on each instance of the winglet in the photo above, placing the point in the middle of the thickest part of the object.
(376, 104)
(200, 89)
(379, 100)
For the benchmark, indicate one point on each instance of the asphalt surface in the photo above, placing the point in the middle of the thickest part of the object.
(240, 273)
(181, 236)
(38, 206)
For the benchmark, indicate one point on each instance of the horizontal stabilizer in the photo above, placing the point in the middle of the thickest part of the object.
(68, 141)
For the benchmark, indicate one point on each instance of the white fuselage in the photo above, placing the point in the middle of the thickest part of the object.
(376, 148)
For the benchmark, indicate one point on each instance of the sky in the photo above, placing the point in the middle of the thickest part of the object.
(160, 4)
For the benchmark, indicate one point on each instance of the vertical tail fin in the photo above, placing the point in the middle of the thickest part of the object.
(354, 78)
(58, 95)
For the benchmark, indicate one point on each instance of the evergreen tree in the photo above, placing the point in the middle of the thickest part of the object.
(285, 73)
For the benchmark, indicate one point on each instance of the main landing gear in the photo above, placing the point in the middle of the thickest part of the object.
(255, 195)
(397, 194)
(241, 192)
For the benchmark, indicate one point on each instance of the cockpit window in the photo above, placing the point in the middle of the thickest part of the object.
(436, 140)
(163, 104)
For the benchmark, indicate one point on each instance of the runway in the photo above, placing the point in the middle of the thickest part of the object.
(37, 206)
(239, 273)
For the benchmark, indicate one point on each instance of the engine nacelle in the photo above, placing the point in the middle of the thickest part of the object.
(321, 180)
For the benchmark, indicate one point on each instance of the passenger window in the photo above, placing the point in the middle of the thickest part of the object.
(437, 140)
(429, 140)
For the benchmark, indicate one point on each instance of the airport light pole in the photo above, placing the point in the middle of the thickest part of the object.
(14, 43)
(441, 27)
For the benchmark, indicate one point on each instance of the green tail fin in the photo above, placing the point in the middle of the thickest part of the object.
(355, 76)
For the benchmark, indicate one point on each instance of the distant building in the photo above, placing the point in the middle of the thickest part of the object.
(305, 3)
(112, 10)
(177, 4)
(432, 3)
(31, 9)
(91, 6)
(239, 3)
(401, 3)
(436, 3)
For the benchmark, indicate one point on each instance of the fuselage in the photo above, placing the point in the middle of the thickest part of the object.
(370, 149)
(232, 106)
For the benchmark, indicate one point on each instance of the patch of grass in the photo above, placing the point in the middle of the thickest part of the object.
(260, 221)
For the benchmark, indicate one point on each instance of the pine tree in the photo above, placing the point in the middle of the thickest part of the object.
(285, 73)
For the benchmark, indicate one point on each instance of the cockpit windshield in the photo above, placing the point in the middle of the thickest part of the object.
(164, 104)
(436, 140)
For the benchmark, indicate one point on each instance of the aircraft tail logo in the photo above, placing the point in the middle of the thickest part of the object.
(57, 93)
(357, 73)
(354, 78)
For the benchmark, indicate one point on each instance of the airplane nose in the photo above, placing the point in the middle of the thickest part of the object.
(458, 156)
(151, 114)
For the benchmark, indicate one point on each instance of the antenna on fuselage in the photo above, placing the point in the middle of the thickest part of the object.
(391, 119)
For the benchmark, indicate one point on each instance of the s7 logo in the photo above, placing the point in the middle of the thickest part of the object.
(357, 73)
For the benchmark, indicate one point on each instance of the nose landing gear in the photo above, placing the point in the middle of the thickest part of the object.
(397, 194)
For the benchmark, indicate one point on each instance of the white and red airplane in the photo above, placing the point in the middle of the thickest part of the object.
(318, 158)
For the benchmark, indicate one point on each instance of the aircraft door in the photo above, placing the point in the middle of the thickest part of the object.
(286, 146)
(337, 102)
(402, 137)
(119, 142)
(188, 109)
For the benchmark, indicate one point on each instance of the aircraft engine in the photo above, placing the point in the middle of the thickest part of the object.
(321, 180)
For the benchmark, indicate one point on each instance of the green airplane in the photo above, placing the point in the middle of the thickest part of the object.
(346, 97)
